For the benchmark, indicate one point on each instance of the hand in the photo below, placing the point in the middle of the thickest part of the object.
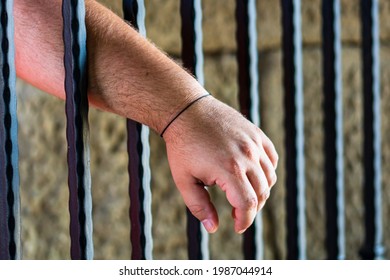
(211, 143)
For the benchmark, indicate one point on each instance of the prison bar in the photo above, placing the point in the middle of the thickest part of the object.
(139, 166)
(333, 130)
(192, 57)
(76, 107)
(248, 92)
(294, 134)
(10, 244)
(372, 194)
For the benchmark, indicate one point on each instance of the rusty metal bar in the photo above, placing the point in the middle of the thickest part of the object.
(293, 102)
(248, 81)
(10, 247)
(76, 107)
(139, 167)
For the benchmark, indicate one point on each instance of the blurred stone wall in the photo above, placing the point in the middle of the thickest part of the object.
(43, 167)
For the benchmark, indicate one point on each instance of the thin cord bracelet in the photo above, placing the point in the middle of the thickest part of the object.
(185, 108)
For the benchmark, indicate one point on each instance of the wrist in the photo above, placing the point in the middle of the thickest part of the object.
(182, 111)
(189, 120)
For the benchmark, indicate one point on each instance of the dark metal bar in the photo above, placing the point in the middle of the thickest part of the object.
(247, 57)
(138, 236)
(139, 168)
(333, 130)
(372, 247)
(293, 102)
(76, 107)
(9, 172)
(192, 56)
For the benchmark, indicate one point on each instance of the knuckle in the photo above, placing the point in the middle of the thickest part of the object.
(258, 137)
(273, 180)
(250, 204)
(247, 150)
(235, 167)
(264, 196)
(197, 210)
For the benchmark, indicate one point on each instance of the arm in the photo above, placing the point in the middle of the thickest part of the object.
(116, 52)
(130, 77)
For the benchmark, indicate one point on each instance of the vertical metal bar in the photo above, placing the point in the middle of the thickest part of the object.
(372, 247)
(247, 57)
(139, 167)
(192, 56)
(10, 247)
(333, 130)
(293, 102)
(76, 107)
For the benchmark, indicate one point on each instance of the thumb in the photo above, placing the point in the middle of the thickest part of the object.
(197, 199)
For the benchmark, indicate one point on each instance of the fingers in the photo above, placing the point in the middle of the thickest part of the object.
(242, 164)
(259, 183)
(267, 167)
(269, 148)
(249, 185)
(243, 198)
(197, 199)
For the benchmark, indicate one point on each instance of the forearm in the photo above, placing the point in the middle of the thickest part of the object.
(127, 74)
(210, 143)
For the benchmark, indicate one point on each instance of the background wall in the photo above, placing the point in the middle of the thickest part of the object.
(43, 167)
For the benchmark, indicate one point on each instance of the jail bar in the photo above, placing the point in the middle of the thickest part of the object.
(333, 130)
(372, 247)
(248, 81)
(9, 171)
(76, 106)
(139, 167)
(192, 56)
(293, 102)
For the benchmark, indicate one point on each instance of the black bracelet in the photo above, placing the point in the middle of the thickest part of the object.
(185, 108)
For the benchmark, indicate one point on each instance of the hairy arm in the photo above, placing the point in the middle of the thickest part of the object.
(210, 143)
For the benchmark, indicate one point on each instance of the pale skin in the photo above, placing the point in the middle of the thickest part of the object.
(208, 144)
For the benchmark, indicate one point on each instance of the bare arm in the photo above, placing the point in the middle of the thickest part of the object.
(210, 143)
(127, 74)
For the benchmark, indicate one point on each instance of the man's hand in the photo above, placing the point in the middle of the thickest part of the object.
(211, 143)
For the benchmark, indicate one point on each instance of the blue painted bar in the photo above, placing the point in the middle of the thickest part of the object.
(76, 107)
(248, 81)
(139, 166)
(372, 188)
(10, 245)
(294, 133)
(333, 131)
(192, 56)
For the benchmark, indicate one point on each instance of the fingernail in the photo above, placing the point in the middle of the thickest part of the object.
(209, 225)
